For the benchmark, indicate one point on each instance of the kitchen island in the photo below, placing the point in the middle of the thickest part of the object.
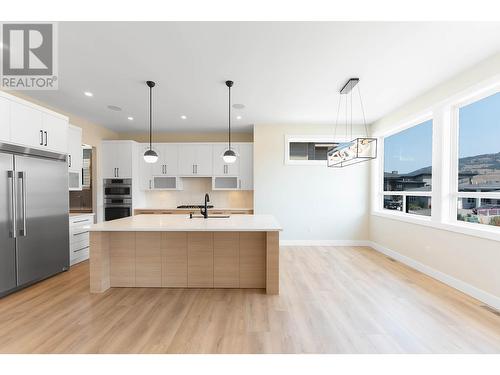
(174, 251)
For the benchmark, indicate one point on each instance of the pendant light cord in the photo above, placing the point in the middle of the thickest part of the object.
(150, 117)
(229, 118)
(363, 111)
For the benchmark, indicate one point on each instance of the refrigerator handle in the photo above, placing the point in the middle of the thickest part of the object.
(10, 175)
(22, 176)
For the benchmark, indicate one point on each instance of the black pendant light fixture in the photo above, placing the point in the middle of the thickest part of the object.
(150, 156)
(229, 156)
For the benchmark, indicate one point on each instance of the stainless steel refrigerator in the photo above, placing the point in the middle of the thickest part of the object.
(34, 223)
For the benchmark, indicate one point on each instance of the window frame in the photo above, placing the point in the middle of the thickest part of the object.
(445, 140)
(415, 121)
(455, 136)
(308, 138)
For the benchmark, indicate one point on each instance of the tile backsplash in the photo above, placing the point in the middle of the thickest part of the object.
(194, 189)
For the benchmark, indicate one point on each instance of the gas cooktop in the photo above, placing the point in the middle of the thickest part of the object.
(194, 206)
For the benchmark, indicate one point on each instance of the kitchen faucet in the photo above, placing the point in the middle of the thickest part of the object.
(204, 212)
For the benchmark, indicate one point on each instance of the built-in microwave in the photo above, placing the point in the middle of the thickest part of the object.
(118, 188)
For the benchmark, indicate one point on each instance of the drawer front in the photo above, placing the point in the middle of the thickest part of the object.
(79, 234)
(79, 255)
(81, 221)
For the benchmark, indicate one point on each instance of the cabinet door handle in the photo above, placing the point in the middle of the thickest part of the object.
(41, 137)
(196, 168)
(193, 168)
(149, 184)
(69, 157)
(117, 172)
(46, 138)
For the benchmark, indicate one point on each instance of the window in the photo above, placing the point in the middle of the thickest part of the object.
(478, 177)
(307, 150)
(407, 183)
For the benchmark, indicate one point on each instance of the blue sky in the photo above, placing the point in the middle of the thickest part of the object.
(479, 133)
(409, 150)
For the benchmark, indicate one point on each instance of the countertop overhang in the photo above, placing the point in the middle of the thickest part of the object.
(182, 223)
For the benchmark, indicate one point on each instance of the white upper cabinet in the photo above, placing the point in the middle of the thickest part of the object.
(75, 151)
(33, 126)
(168, 158)
(246, 166)
(26, 126)
(56, 132)
(4, 120)
(220, 168)
(195, 159)
(145, 169)
(117, 159)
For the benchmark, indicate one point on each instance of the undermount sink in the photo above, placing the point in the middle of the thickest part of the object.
(211, 217)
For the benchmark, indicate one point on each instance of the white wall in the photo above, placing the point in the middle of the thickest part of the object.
(472, 262)
(312, 203)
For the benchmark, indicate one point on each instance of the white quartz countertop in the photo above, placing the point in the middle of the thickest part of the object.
(182, 223)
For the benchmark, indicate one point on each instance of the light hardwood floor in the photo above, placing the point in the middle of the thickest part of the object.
(333, 300)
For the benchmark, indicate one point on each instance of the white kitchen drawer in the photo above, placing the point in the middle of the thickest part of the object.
(81, 220)
(79, 255)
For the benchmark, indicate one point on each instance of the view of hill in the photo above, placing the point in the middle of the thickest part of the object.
(479, 164)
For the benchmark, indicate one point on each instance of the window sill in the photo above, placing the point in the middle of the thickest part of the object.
(462, 228)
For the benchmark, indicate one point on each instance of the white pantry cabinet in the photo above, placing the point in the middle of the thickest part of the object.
(195, 159)
(75, 157)
(220, 168)
(27, 124)
(117, 159)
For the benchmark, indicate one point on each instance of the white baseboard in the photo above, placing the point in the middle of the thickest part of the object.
(464, 287)
(325, 243)
(485, 297)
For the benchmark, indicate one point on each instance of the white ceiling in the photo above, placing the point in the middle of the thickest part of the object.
(283, 72)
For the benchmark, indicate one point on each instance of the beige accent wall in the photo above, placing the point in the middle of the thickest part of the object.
(187, 137)
(471, 260)
(311, 202)
(194, 189)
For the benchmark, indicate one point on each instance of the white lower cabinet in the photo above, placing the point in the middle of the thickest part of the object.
(79, 239)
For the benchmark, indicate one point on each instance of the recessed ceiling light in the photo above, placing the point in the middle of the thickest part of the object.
(238, 117)
(238, 106)
(114, 108)
(88, 93)
(183, 117)
(130, 118)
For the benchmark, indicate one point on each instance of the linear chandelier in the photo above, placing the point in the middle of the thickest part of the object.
(358, 149)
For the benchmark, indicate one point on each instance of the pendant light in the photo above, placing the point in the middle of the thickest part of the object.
(358, 149)
(229, 156)
(150, 156)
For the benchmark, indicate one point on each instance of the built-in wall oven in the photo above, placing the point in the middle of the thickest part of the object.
(117, 198)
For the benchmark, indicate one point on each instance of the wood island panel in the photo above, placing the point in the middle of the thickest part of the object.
(122, 259)
(226, 259)
(252, 259)
(184, 259)
(200, 260)
(174, 259)
(148, 259)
